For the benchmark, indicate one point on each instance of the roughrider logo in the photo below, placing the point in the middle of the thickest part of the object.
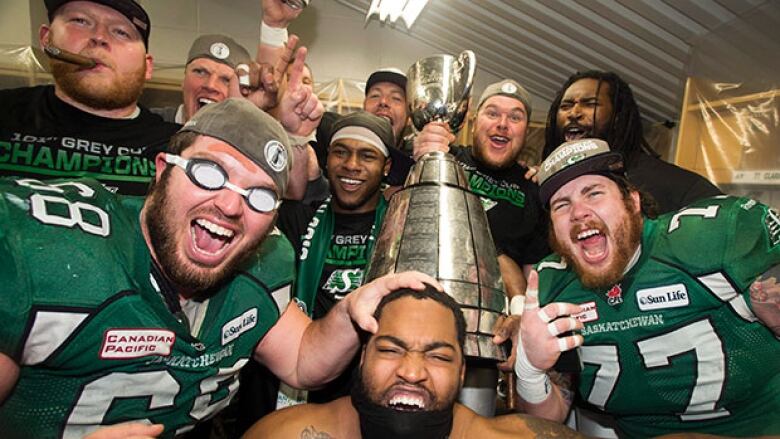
(136, 343)
(343, 281)
(239, 325)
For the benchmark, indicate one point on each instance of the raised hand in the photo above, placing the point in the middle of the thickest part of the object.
(364, 300)
(277, 13)
(300, 111)
(259, 81)
(541, 328)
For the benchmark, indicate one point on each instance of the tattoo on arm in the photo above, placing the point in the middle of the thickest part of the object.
(543, 428)
(311, 433)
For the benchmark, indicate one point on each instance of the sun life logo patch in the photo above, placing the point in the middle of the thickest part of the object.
(239, 325)
(668, 296)
(275, 155)
(219, 50)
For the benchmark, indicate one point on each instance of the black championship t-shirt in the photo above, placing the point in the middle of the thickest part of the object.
(517, 220)
(347, 254)
(43, 137)
(672, 187)
(342, 272)
(345, 261)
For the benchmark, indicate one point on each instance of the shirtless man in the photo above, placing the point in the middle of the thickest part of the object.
(411, 371)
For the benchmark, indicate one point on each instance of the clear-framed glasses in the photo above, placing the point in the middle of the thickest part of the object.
(210, 176)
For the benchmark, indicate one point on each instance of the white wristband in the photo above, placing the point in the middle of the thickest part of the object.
(273, 36)
(516, 305)
(533, 385)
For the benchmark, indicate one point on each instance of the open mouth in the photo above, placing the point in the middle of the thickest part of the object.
(210, 239)
(407, 403)
(593, 243)
(202, 102)
(500, 141)
(350, 183)
(574, 132)
(387, 116)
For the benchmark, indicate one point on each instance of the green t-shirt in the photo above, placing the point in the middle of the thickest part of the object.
(91, 333)
(679, 348)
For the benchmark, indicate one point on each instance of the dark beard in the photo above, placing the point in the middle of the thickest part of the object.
(122, 94)
(162, 240)
(379, 422)
(626, 239)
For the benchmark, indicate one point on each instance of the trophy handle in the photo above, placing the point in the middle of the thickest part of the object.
(468, 60)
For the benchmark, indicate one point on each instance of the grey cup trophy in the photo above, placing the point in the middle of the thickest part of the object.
(438, 88)
(435, 224)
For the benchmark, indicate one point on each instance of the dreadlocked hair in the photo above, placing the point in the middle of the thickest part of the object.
(625, 126)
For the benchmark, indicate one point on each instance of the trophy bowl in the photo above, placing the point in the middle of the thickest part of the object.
(438, 89)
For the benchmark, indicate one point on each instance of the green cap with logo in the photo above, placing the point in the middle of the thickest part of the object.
(219, 48)
(508, 88)
(574, 159)
(250, 130)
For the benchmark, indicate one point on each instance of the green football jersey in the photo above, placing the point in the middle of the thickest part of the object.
(85, 321)
(675, 345)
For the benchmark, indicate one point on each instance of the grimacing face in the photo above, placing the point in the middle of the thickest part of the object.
(205, 82)
(112, 41)
(199, 237)
(499, 131)
(595, 228)
(355, 171)
(584, 111)
(413, 362)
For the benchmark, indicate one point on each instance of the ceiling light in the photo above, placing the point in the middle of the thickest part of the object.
(408, 10)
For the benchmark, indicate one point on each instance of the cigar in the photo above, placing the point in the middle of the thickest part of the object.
(69, 57)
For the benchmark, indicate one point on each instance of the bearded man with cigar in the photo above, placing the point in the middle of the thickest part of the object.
(89, 122)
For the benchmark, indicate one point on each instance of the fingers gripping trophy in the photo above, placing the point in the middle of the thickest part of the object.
(436, 225)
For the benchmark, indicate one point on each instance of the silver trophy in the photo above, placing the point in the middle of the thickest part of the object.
(435, 224)
(439, 87)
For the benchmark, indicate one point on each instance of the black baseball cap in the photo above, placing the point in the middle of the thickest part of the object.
(391, 75)
(574, 159)
(129, 8)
